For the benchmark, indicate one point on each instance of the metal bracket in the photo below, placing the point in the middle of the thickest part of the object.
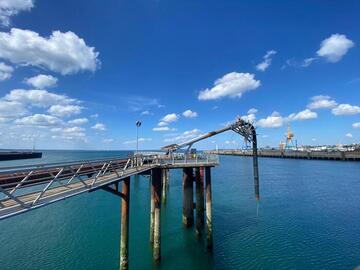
(113, 191)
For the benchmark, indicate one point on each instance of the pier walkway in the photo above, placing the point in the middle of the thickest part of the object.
(23, 188)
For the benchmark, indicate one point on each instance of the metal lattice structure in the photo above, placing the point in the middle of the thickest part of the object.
(23, 188)
(242, 127)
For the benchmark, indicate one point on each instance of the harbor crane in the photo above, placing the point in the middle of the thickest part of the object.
(240, 126)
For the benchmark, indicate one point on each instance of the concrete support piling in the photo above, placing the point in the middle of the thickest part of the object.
(152, 211)
(156, 185)
(199, 179)
(124, 237)
(165, 184)
(209, 236)
(188, 197)
(255, 165)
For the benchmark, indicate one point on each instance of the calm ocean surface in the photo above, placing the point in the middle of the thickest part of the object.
(308, 218)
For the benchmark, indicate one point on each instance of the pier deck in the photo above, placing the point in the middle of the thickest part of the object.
(23, 188)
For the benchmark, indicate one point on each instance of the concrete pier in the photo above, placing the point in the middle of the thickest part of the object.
(188, 197)
(156, 183)
(199, 180)
(124, 237)
(209, 236)
(293, 154)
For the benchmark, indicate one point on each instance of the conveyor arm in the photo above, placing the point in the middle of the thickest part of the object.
(242, 127)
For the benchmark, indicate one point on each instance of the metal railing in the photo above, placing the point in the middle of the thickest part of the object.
(182, 158)
(25, 187)
(30, 186)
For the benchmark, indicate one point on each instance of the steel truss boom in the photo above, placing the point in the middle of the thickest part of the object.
(242, 127)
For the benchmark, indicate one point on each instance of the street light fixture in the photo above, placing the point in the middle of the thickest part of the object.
(138, 124)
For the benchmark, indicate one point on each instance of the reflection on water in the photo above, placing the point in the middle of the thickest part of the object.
(308, 220)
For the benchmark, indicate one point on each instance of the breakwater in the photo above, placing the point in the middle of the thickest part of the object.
(324, 155)
(14, 155)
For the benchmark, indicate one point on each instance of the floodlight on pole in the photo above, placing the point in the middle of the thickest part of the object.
(138, 124)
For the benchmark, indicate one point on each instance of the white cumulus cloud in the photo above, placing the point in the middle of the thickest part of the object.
(356, 125)
(345, 109)
(9, 8)
(42, 81)
(171, 117)
(303, 115)
(267, 61)
(186, 135)
(163, 129)
(78, 121)
(69, 133)
(99, 126)
(251, 117)
(189, 114)
(38, 98)
(233, 84)
(252, 111)
(275, 120)
(321, 102)
(5, 71)
(162, 124)
(146, 112)
(11, 109)
(335, 47)
(65, 110)
(41, 120)
(349, 135)
(65, 53)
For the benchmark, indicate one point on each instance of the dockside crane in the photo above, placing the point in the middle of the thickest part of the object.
(240, 126)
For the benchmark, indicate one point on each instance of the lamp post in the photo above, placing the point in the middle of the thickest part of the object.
(138, 124)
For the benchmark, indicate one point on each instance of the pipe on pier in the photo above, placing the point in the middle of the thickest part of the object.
(156, 186)
(188, 197)
(199, 180)
(209, 236)
(124, 237)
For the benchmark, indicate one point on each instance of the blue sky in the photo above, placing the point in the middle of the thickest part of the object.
(79, 74)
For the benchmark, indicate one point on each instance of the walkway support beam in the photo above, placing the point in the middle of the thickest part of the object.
(124, 237)
(199, 180)
(156, 186)
(188, 197)
(209, 236)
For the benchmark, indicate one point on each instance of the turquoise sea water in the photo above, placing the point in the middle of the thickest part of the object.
(308, 218)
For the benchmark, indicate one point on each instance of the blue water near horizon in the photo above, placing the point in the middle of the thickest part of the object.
(307, 218)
